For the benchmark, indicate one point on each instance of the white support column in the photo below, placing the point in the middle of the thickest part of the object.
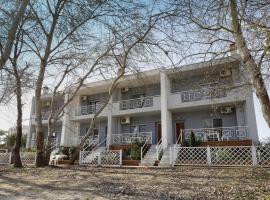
(166, 115)
(68, 128)
(30, 130)
(111, 126)
(240, 115)
(250, 117)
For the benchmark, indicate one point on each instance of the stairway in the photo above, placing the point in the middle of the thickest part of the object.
(165, 160)
(150, 157)
(92, 158)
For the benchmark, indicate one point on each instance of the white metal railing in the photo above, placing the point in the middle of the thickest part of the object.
(87, 110)
(92, 140)
(144, 147)
(216, 134)
(221, 156)
(128, 138)
(159, 148)
(45, 115)
(204, 93)
(136, 103)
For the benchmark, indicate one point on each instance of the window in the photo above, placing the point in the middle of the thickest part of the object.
(137, 96)
(217, 123)
(138, 128)
(212, 123)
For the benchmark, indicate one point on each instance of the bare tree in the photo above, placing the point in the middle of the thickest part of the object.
(61, 32)
(70, 31)
(22, 81)
(204, 31)
(6, 43)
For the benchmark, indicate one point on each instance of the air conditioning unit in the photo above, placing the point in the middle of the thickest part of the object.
(226, 110)
(225, 73)
(124, 89)
(84, 98)
(47, 103)
(125, 120)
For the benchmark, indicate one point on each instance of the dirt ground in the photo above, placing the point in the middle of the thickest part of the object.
(107, 183)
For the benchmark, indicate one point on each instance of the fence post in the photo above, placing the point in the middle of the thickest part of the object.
(99, 159)
(171, 156)
(9, 162)
(120, 157)
(209, 161)
(80, 158)
(35, 162)
(254, 156)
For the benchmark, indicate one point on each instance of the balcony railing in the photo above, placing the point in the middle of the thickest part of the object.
(136, 103)
(129, 138)
(87, 110)
(91, 140)
(216, 134)
(203, 94)
(45, 115)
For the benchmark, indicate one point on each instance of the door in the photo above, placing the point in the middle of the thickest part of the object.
(158, 131)
(178, 127)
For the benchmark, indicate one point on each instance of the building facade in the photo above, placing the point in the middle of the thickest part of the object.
(213, 100)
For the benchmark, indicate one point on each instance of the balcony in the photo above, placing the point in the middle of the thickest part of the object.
(129, 138)
(234, 133)
(136, 103)
(203, 94)
(88, 110)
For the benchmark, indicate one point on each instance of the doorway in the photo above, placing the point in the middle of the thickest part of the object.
(158, 131)
(178, 127)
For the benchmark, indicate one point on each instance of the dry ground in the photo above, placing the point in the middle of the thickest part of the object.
(107, 183)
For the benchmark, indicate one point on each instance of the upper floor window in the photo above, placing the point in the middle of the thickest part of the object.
(137, 96)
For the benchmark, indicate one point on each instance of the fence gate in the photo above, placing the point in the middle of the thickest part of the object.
(103, 158)
(221, 156)
(190, 156)
(231, 156)
(28, 158)
(5, 158)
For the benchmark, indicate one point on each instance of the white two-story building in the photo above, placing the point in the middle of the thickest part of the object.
(214, 100)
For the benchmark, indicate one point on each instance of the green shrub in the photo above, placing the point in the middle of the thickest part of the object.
(135, 153)
(10, 140)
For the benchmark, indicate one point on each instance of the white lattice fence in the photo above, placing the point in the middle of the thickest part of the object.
(221, 156)
(231, 156)
(263, 155)
(103, 158)
(28, 158)
(190, 156)
(5, 158)
(88, 158)
(111, 158)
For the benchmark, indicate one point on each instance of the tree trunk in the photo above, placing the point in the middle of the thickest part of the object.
(49, 142)
(253, 69)
(40, 161)
(12, 32)
(16, 150)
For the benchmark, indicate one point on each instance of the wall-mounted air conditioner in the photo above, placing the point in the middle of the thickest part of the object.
(125, 120)
(225, 73)
(226, 110)
(84, 98)
(124, 89)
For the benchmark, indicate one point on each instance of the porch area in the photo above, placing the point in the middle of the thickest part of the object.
(218, 136)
